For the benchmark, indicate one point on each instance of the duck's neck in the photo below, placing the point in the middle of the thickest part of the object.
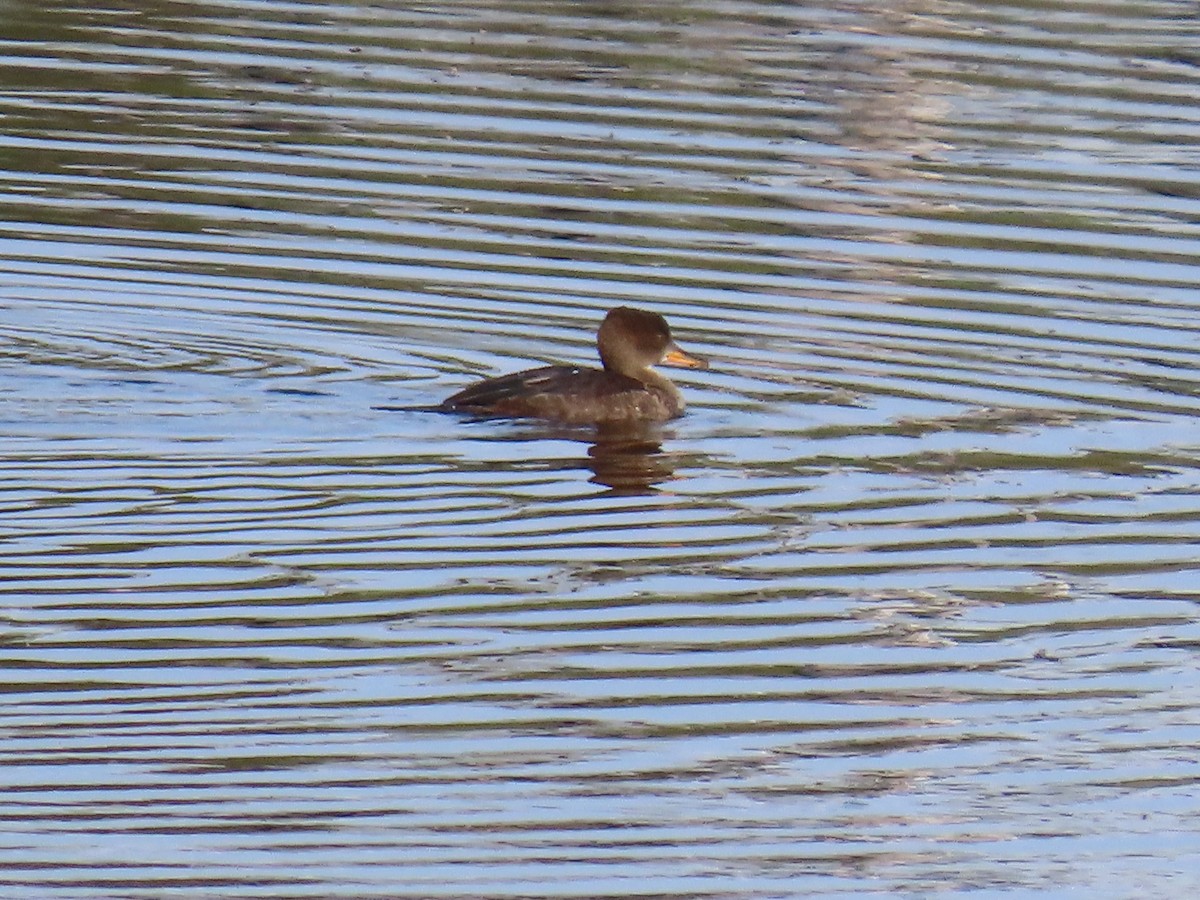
(659, 382)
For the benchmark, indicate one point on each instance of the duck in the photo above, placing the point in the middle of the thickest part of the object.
(626, 389)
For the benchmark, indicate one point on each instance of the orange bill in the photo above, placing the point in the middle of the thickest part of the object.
(676, 357)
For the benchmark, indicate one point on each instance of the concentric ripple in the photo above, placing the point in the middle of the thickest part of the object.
(904, 605)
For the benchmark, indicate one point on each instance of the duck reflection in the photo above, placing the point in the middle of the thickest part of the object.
(629, 459)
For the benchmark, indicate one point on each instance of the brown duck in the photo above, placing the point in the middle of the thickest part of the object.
(627, 389)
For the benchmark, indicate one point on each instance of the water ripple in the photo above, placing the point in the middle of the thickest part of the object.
(905, 602)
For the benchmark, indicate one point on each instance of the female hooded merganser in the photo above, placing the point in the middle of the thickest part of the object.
(627, 389)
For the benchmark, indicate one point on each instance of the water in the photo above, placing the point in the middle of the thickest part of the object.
(905, 605)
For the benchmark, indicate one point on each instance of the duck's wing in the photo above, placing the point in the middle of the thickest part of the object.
(562, 393)
(495, 393)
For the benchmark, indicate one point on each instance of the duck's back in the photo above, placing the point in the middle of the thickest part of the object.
(569, 394)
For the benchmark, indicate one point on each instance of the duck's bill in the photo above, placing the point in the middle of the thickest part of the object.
(676, 357)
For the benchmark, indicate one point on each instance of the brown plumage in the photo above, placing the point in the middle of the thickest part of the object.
(627, 389)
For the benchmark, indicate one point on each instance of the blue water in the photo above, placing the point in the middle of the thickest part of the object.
(905, 605)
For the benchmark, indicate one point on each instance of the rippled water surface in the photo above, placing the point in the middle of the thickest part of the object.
(905, 605)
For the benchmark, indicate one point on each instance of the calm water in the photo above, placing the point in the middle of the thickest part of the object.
(906, 605)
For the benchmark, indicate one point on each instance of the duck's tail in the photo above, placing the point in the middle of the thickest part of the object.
(438, 408)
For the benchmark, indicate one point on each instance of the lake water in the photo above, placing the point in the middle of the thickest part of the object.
(905, 605)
